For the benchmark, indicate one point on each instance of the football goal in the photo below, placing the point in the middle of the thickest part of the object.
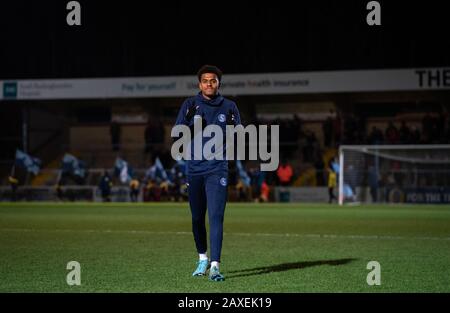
(394, 174)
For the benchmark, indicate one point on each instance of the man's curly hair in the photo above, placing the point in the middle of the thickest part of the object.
(209, 69)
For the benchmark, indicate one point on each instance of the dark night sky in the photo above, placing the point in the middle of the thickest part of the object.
(146, 38)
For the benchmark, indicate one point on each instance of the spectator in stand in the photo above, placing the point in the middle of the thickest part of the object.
(243, 191)
(415, 135)
(152, 191)
(285, 173)
(257, 177)
(392, 135)
(375, 136)
(435, 136)
(332, 179)
(134, 189)
(165, 190)
(59, 192)
(105, 186)
(427, 126)
(405, 134)
(14, 182)
(265, 191)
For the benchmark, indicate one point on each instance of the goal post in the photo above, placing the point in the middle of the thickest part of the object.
(394, 174)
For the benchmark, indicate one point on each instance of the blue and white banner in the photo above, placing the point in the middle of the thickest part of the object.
(70, 164)
(123, 170)
(27, 162)
(157, 172)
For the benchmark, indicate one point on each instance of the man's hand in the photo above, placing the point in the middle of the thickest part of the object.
(191, 112)
(230, 118)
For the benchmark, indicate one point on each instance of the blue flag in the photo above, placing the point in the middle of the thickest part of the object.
(72, 165)
(242, 173)
(28, 162)
(157, 172)
(123, 170)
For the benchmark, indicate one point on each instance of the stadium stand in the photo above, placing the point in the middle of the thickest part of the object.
(310, 134)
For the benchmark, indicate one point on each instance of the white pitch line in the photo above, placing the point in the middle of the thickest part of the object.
(317, 236)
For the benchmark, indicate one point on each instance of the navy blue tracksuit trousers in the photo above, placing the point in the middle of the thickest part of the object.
(208, 192)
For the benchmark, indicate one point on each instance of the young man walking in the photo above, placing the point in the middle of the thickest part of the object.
(207, 179)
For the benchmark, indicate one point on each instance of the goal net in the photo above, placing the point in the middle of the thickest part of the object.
(394, 174)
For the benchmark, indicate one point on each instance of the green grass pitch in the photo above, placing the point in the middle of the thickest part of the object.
(123, 247)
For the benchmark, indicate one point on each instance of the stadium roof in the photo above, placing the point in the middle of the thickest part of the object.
(148, 38)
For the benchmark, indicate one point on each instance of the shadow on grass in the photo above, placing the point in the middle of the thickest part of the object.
(286, 267)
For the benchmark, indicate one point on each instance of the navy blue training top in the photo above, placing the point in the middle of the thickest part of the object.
(213, 111)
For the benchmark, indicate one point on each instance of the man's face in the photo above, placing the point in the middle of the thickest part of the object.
(209, 84)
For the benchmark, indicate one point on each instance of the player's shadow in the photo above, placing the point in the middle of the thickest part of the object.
(286, 267)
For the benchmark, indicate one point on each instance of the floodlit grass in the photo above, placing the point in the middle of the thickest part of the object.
(125, 247)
